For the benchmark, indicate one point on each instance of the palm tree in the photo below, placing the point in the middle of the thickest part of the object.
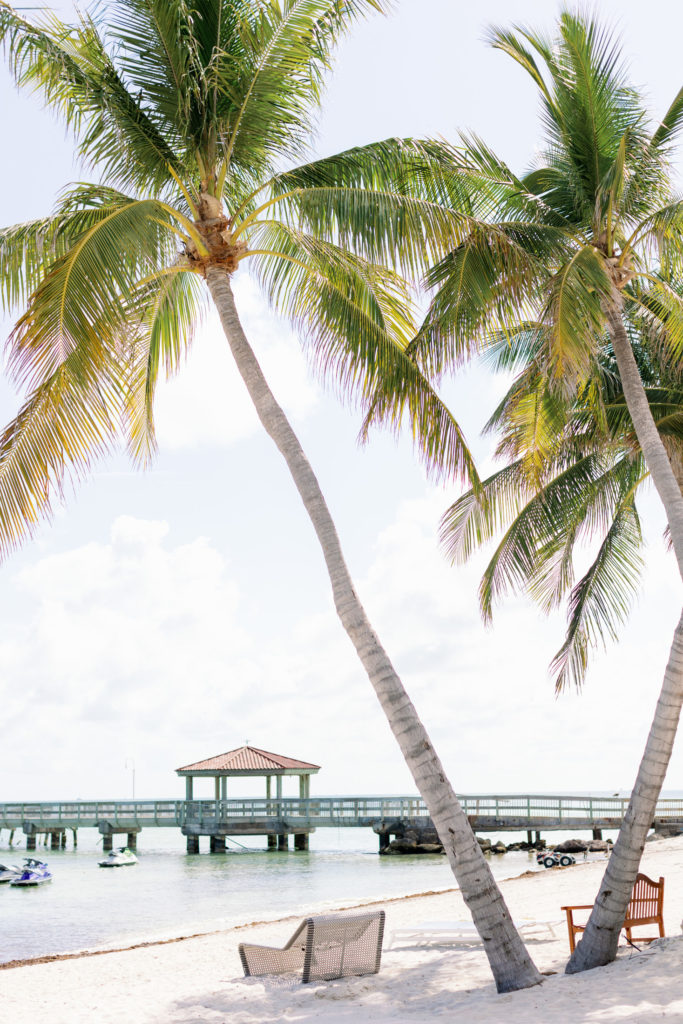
(195, 113)
(593, 233)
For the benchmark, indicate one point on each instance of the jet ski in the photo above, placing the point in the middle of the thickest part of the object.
(34, 872)
(8, 872)
(120, 858)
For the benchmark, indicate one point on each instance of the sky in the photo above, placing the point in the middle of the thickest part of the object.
(166, 616)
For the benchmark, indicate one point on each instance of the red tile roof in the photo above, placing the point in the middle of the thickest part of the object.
(248, 759)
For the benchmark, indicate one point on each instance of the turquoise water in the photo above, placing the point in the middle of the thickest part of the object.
(170, 893)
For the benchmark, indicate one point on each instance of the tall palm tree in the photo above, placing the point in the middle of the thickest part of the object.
(195, 113)
(592, 233)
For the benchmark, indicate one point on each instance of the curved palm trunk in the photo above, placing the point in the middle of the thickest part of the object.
(510, 962)
(598, 945)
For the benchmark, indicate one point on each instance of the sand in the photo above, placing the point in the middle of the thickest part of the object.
(199, 979)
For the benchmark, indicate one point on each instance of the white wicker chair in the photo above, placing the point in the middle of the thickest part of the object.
(322, 948)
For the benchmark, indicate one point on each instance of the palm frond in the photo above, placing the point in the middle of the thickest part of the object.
(602, 599)
(574, 312)
(71, 69)
(85, 291)
(65, 426)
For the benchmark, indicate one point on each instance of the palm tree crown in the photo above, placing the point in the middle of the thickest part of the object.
(194, 115)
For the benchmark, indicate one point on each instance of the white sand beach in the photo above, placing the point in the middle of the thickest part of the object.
(199, 979)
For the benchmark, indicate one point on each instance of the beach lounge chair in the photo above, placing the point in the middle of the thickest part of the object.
(463, 931)
(645, 907)
(322, 948)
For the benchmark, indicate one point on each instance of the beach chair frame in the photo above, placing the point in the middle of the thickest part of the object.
(646, 906)
(322, 948)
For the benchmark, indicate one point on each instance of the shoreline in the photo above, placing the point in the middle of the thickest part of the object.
(47, 958)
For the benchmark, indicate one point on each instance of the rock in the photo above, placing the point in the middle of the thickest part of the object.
(513, 847)
(572, 846)
(598, 846)
(403, 845)
(499, 847)
(485, 844)
(430, 848)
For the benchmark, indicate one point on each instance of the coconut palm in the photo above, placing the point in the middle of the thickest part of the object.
(195, 113)
(590, 236)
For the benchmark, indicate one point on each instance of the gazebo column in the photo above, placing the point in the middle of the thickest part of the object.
(217, 788)
(301, 838)
(224, 787)
(188, 787)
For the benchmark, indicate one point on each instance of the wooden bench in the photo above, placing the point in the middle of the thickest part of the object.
(646, 906)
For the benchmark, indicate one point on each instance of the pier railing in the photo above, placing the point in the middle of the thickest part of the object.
(497, 812)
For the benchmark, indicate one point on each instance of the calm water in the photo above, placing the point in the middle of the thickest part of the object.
(169, 893)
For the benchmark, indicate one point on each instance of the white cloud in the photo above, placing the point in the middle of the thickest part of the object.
(137, 647)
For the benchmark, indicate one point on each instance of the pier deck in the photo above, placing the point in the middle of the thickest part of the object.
(298, 816)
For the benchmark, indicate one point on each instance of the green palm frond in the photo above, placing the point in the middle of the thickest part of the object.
(86, 290)
(493, 277)
(403, 392)
(602, 599)
(356, 318)
(574, 314)
(164, 316)
(72, 70)
(477, 516)
(584, 488)
(670, 125)
(65, 426)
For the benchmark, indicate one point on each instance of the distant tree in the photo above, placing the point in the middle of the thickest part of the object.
(568, 255)
(191, 110)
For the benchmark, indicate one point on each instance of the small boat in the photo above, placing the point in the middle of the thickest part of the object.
(34, 872)
(120, 858)
(8, 872)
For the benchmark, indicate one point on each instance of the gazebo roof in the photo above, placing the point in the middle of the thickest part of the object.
(249, 761)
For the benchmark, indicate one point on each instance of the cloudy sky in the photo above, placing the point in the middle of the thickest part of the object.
(167, 616)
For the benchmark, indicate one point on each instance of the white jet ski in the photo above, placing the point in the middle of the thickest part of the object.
(120, 858)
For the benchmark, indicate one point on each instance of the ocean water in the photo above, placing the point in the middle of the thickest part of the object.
(169, 893)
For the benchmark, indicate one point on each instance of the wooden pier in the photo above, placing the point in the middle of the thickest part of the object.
(277, 819)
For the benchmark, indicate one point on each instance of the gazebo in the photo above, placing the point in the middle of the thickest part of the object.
(246, 762)
(249, 762)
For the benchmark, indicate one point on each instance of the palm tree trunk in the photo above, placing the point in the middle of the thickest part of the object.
(598, 945)
(510, 962)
